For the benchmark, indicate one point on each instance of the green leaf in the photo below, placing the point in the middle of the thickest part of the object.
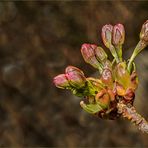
(91, 108)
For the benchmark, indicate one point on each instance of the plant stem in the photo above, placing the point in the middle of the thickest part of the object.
(114, 53)
(130, 113)
(141, 45)
(119, 52)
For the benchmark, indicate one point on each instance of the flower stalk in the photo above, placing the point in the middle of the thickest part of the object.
(140, 46)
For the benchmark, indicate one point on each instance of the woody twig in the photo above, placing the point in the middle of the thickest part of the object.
(131, 114)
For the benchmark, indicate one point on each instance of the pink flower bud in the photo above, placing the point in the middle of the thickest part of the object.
(88, 53)
(107, 35)
(72, 68)
(100, 54)
(144, 32)
(107, 78)
(75, 76)
(118, 35)
(61, 81)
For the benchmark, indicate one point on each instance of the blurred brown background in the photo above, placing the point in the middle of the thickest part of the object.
(37, 41)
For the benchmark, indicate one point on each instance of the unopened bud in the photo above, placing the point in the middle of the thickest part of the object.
(107, 78)
(107, 35)
(144, 32)
(118, 35)
(72, 68)
(61, 81)
(122, 75)
(107, 32)
(100, 54)
(75, 77)
(88, 53)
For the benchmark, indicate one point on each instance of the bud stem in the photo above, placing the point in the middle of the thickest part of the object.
(141, 45)
(100, 67)
(114, 53)
(131, 114)
(119, 52)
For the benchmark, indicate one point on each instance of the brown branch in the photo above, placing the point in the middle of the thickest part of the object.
(130, 113)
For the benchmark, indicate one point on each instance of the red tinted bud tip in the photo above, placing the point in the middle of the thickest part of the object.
(88, 53)
(144, 32)
(118, 34)
(72, 68)
(61, 81)
(107, 35)
(75, 76)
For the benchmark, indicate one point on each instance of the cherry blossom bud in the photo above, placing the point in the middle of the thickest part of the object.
(107, 35)
(100, 54)
(61, 81)
(118, 35)
(72, 68)
(107, 32)
(107, 78)
(88, 53)
(75, 77)
(122, 75)
(144, 32)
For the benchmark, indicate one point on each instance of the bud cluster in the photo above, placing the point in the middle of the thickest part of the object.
(94, 55)
(118, 79)
(113, 37)
(73, 77)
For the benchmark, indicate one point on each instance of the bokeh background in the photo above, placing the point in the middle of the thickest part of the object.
(37, 41)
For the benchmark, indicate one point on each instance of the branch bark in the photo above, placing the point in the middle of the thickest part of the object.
(130, 113)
